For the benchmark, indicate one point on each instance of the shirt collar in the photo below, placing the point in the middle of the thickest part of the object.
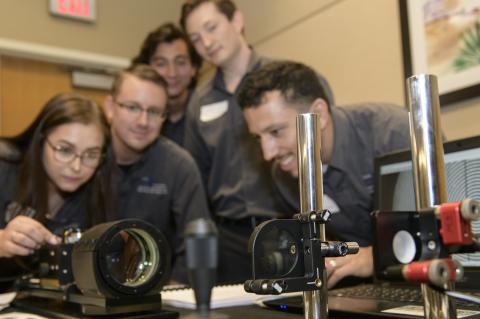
(141, 160)
(342, 134)
(253, 63)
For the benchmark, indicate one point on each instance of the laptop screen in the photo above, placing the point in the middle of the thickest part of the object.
(394, 187)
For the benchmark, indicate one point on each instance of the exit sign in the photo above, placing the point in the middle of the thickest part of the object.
(75, 9)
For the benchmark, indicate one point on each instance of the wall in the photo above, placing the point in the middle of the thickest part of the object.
(356, 44)
(120, 27)
(28, 30)
(26, 85)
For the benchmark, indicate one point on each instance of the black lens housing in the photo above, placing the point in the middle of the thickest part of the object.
(92, 272)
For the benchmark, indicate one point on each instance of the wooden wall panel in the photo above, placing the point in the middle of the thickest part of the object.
(26, 85)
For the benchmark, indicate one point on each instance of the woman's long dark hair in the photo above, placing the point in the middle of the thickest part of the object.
(31, 189)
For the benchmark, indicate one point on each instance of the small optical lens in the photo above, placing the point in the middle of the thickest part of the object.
(278, 256)
(132, 257)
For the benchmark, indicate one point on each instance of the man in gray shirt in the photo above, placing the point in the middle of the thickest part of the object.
(352, 137)
(237, 180)
(156, 179)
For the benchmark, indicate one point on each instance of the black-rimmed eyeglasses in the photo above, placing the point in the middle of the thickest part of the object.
(136, 110)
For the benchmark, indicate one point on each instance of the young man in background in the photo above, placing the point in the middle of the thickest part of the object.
(168, 50)
(237, 180)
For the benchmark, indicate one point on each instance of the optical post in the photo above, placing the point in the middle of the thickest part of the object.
(428, 170)
(310, 182)
(422, 241)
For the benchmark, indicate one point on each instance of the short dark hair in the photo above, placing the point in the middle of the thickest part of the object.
(141, 71)
(166, 33)
(298, 84)
(226, 7)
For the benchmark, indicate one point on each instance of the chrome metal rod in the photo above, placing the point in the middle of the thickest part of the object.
(310, 181)
(314, 305)
(428, 170)
(426, 141)
(310, 177)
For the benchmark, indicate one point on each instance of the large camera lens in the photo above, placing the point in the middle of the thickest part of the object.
(132, 257)
(126, 257)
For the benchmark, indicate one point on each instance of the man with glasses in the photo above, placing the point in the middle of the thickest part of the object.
(156, 179)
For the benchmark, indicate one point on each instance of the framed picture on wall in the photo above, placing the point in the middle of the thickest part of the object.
(442, 37)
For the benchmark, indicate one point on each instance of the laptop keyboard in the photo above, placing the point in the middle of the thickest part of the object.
(388, 293)
(402, 294)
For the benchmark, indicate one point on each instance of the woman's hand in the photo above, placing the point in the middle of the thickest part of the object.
(23, 235)
(359, 265)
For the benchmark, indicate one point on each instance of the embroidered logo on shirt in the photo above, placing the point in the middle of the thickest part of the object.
(149, 187)
(213, 111)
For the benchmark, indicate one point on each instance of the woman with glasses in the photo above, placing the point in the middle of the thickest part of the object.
(51, 175)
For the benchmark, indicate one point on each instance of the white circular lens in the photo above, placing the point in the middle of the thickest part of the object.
(404, 247)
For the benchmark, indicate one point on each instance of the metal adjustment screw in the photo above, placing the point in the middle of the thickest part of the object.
(318, 283)
(326, 215)
(431, 245)
(293, 249)
(278, 288)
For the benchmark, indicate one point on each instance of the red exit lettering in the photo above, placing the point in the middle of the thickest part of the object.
(80, 8)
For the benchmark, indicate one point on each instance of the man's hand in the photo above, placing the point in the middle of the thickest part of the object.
(359, 265)
(23, 235)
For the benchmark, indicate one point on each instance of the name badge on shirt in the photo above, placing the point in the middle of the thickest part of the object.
(213, 111)
(152, 188)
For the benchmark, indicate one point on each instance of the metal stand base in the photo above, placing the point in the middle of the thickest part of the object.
(207, 315)
(59, 309)
(437, 304)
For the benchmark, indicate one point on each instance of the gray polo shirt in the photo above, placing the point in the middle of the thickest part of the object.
(165, 189)
(236, 178)
(361, 133)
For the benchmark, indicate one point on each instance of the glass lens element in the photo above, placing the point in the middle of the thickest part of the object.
(132, 257)
(279, 253)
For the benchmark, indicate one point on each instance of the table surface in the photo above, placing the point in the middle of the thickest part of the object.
(253, 311)
(60, 310)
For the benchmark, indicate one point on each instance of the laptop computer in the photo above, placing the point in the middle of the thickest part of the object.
(394, 192)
